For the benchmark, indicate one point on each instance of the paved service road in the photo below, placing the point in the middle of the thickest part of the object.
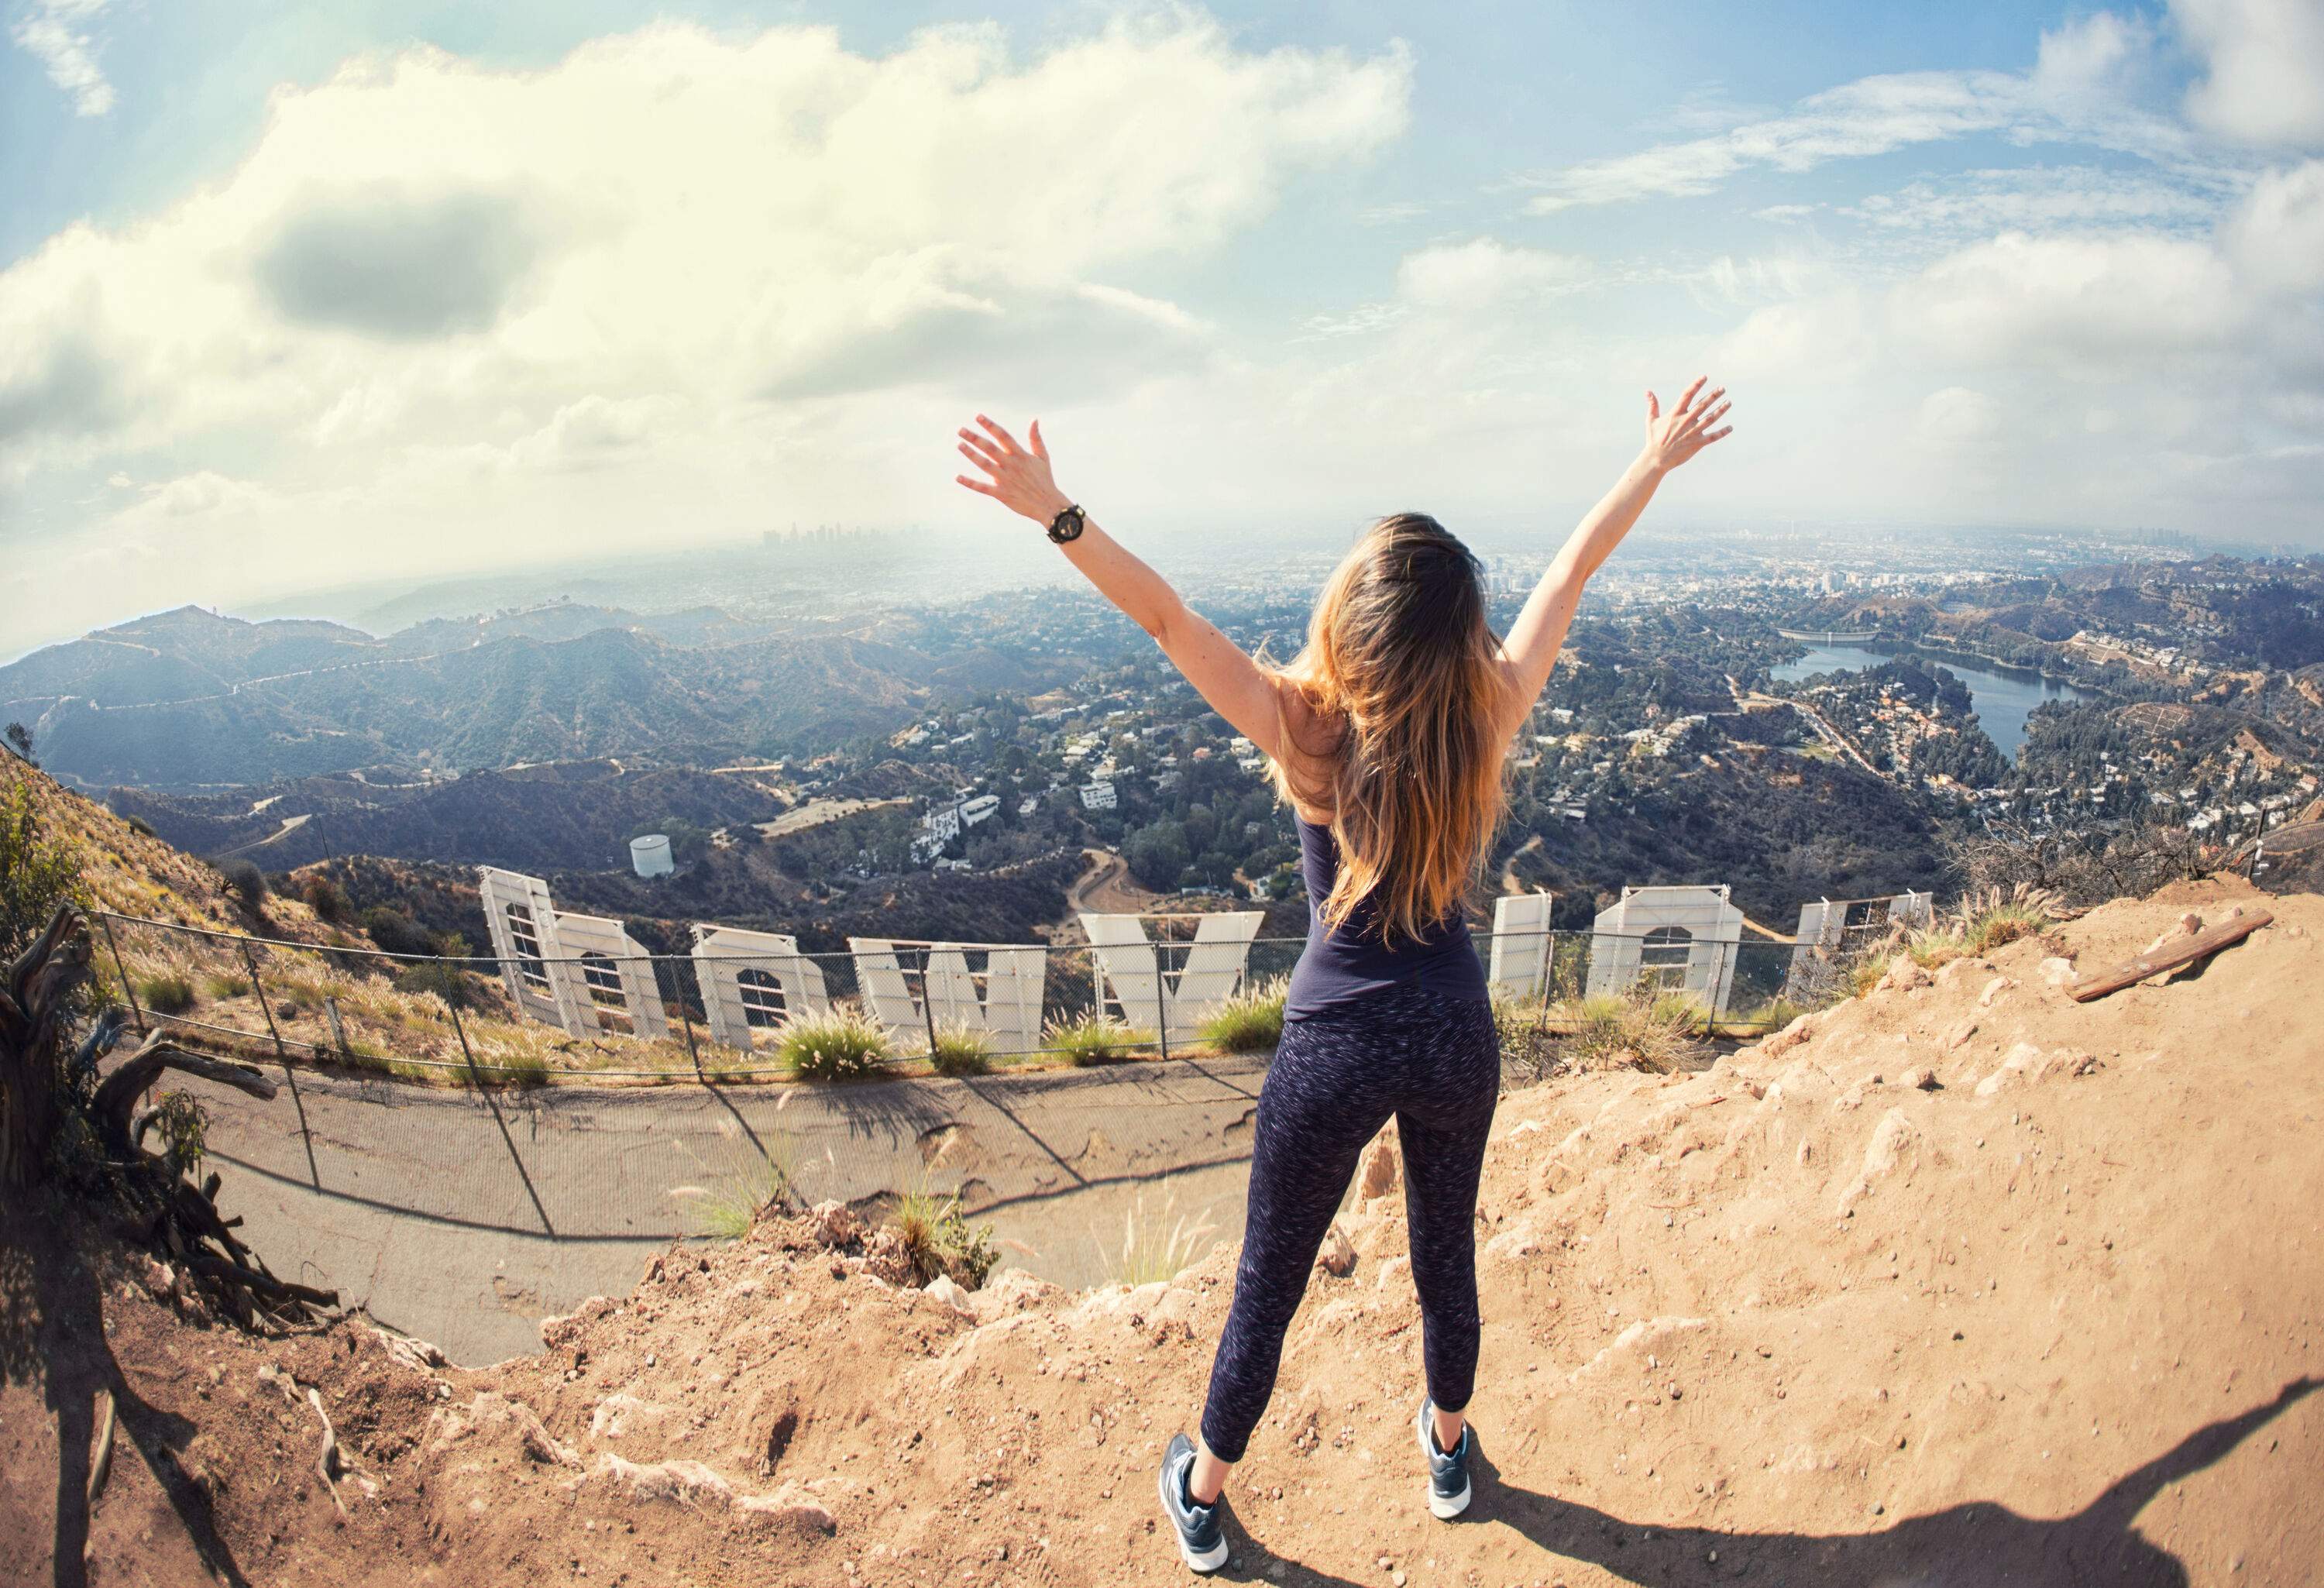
(465, 1219)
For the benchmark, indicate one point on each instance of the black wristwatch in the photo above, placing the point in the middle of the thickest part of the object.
(1068, 525)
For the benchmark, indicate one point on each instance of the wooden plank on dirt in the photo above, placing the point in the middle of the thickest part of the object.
(2178, 951)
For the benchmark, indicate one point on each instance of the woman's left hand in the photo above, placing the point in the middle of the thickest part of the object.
(1019, 480)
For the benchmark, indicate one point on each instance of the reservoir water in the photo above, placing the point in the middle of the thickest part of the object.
(2002, 697)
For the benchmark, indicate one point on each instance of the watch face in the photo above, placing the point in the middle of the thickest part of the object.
(1067, 525)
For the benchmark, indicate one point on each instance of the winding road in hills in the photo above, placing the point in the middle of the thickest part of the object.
(465, 1219)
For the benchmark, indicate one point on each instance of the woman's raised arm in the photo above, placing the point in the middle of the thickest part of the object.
(1237, 688)
(1534, 641)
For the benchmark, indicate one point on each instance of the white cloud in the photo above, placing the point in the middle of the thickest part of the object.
(679, 286)
(2040, 197)
(2277, 237)
(2126, 375)
(2264, 82)
(1958, 417)
(2081, 302)
(693, 254)
(2070, 92)
(1485, 273)
(56, 33)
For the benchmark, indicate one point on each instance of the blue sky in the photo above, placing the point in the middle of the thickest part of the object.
(295, 295)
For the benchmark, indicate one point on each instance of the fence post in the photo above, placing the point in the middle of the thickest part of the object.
(460, 1029)
(927, 1003)
(685, 1019)
(127, 990)
(1548, 974)
(258, 991)
(1162, 994)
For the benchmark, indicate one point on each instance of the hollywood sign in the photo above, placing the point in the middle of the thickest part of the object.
(586, 975)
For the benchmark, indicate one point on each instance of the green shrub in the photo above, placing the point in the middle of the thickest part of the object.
(1978, 924)
(166, 992)
(747, 1186)
(397, 932)
(1251, 1021)
(37, 873)
(938, 1240)
(836, 1047)
(244, 881)
(524, 1070)
(140, 826)
(184, 1128)
(456, 987)
(1675, 1008)
(1094, 1038)
(1607, 1030)
(1151, 1253)
(1775, 1014)
(327, 899)
(229, 986)
(1528, 1048)
(961, 1050)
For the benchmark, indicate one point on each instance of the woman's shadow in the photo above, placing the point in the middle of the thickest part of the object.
(1971, 1545)
(1965, 1545)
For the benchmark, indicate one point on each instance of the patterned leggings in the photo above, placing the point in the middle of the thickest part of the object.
(1433, 1061)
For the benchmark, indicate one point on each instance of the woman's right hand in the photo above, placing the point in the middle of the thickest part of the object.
(1674, 436)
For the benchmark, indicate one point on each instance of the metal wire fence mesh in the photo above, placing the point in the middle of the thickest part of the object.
(640, 1018)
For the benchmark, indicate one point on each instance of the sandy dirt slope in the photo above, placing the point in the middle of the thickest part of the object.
(1797, 1319)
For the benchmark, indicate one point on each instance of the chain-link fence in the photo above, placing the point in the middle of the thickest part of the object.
(734, 1010)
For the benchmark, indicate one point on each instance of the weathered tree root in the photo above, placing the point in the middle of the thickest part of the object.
(162, 1211)
(100, 1464)
(327, 1460)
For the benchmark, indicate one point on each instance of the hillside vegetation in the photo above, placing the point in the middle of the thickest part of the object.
(1777, 825)
(530, 818)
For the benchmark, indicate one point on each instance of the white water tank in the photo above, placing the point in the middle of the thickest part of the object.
(650, 856)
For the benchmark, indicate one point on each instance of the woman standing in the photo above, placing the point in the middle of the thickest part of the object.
(1387, 736)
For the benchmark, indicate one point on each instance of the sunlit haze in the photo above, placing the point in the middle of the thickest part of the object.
(301, 298)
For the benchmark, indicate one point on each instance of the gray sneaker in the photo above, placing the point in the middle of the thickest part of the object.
(1448, 1476)
(1201, 1541)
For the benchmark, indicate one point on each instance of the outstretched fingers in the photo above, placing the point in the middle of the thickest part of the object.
(1007, 442)
(978, 486)
(1654, 407)
(1691, 391)
(1040, 448)
(1708, 415)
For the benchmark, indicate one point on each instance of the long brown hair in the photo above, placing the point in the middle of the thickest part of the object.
(1400, 658)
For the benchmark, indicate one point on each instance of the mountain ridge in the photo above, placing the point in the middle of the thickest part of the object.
(189, 698)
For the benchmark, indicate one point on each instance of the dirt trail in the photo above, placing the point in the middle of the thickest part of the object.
(1800, 1318)
(1107, 888)
(1509, 883)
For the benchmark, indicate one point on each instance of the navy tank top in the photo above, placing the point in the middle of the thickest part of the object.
(1343, 966)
